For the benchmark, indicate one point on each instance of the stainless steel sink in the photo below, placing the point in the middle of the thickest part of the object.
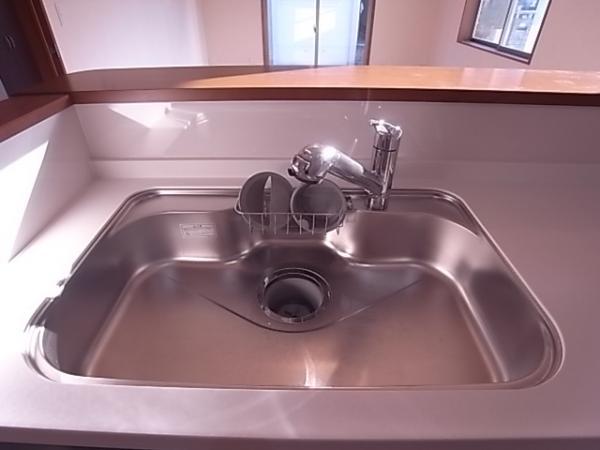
(179, 290)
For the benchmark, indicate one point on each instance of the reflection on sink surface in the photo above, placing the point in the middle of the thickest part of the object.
(177, 290)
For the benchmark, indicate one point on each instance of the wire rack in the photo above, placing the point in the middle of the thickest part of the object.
(287, 223)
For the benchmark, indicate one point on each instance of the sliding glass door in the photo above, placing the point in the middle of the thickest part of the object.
(317, 32)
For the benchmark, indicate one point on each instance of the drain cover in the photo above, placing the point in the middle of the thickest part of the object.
(293, 295)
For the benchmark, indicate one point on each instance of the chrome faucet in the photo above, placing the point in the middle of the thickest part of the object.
(313, 162)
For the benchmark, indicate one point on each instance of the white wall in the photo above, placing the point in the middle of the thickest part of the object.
(42, 169)
(157, 131)
(94, 34)
(569, 40)
(402, 32)
(149, 33)
(571, 36)
(233, 31)
(446, 51)
(417, 32)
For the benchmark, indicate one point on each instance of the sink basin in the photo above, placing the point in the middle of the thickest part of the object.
(179, 290)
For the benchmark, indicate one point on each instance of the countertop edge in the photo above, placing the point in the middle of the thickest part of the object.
(380, 83)
(19, 113)
(295, 93)
(263, 83)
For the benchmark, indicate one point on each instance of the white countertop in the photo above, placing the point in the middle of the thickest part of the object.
(545, 218)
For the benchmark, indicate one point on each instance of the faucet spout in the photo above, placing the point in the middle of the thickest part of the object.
(314, 162)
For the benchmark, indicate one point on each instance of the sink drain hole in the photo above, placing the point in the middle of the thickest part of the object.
(293, 295)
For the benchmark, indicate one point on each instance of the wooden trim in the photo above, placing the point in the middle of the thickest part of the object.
(348, 83)
(49, 39)
(317, 32)
(265, 32)
(494, 51)
(145, 78)
(337, 94)
(369, 32)
(537, 39)
(34, 23)
(21, 112)
(392, 83)
(467, 23)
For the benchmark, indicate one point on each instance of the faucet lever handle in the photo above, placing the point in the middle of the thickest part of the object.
(387, 135)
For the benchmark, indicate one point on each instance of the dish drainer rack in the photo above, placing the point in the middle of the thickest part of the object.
(288, 223)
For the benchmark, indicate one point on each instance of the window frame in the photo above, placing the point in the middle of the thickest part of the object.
(467, 30)
(368, 33)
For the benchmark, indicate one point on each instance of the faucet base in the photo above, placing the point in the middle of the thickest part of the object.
(377, 203)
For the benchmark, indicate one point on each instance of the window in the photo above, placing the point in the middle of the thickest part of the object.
(509, 26)
(317, 32)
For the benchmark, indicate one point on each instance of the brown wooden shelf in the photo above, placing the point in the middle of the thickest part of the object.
(396, 83)
(20, 113)
(363, 83)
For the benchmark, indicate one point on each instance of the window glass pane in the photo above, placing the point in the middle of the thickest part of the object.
(292, 31)
(524, 24)
(490, 20)
(338, 31)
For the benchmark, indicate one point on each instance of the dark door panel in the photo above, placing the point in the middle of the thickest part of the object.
(18, 69)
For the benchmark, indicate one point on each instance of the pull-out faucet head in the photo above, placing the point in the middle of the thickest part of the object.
(313, 162)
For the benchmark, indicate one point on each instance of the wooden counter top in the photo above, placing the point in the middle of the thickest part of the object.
(377, 83)
(19, 113)
(398, 83)
(153, 78)
(407, 77)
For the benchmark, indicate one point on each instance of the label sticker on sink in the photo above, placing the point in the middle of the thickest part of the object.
(192, 230)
